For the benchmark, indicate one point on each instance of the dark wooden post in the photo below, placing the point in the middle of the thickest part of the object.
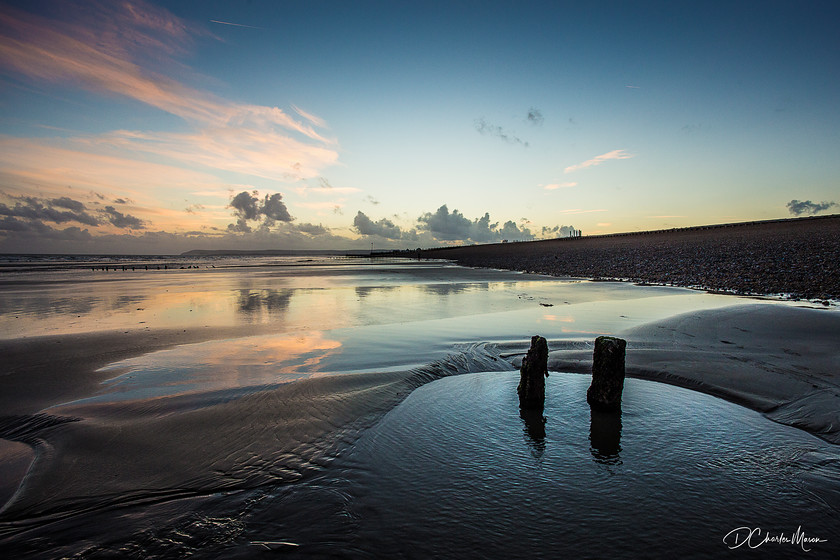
(607, 374)
(532, 375)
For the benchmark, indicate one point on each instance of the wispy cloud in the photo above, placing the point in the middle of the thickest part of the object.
(121, 49)
(317, 121)
(486, 129)
(580, 211)
(598, 160)
(321, 186)
(235, 24)
(555, 186)
(49, 165)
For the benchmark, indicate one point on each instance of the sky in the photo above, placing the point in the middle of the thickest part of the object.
(159, 127)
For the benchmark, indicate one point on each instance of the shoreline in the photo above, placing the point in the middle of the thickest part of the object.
(799, 257)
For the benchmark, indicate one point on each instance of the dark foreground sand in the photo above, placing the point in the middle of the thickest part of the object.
(800, 257)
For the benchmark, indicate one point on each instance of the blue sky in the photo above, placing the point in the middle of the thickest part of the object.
(138, 126)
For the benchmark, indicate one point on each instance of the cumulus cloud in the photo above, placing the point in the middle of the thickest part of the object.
(382, 228)
(444, 225)
(510, 230)
(32, 208)
(247, 207)
(312, 229)
(274, 209)
(486, 129)
(14, 229)
(69, 203)
(558, 231)
(451, 226)
(120, 220)
(800, 207)
(598, 160)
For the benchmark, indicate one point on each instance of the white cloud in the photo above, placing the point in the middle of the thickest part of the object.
(579, 211)
(598, 160)
(555, 186)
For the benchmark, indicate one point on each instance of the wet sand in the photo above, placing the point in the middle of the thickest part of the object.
(799, 257)
(783, 361)
(102, 453)
(40, 371)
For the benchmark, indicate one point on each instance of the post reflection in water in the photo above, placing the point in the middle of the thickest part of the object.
(534, 430)
(605, 437)
(253, 302)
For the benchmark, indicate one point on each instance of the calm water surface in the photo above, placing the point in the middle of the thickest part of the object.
(290, 294)
(455, 471)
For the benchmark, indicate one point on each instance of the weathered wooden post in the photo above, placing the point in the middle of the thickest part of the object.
(532, 375)
(607, 374)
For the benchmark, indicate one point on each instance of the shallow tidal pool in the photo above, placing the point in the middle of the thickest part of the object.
(456, 471)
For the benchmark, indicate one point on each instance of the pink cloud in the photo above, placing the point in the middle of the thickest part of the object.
(52, 168)
(105, 50)
(598, 160)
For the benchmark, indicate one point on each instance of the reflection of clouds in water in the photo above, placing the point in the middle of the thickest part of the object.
(364, 291)
(558, 318)
(126, 301)
(48, 305)
(453, 288)
(273, 301)
(218, 365)
(278, 354)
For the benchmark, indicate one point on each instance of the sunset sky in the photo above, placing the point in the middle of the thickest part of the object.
(159, 127)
